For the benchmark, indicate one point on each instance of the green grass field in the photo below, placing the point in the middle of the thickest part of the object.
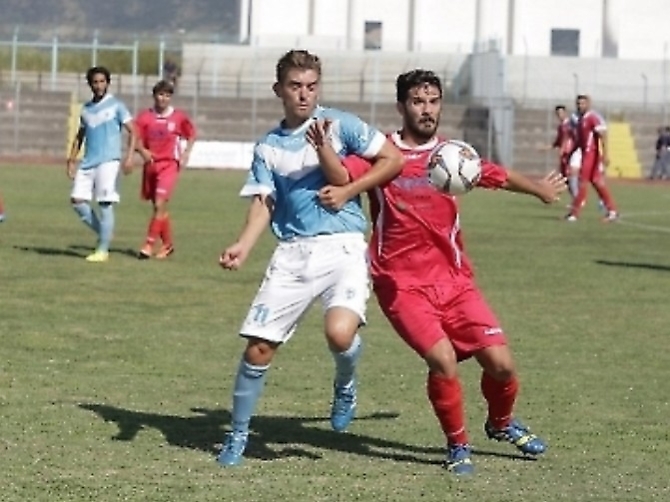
(115, 378)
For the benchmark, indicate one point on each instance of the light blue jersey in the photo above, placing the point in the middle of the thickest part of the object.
(286, 168)
(102, 123)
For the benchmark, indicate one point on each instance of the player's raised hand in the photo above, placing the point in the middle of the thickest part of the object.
(334, 197)
(317, 133)
(551, 187)
(233, 256)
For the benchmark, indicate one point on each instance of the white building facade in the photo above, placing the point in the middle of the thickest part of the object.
(624, 29)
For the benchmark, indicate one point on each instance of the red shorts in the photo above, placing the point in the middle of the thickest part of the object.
(592, 169)
(159, 179)
(423, 316)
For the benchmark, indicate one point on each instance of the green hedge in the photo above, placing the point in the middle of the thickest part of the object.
(78, 60)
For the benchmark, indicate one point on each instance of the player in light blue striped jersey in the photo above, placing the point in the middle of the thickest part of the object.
(101, 126)
(321, 251)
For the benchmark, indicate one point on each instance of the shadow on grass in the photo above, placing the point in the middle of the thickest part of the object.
(271, 437)
(625, 264)
(51, 251)
(127, 251)
(75, 251)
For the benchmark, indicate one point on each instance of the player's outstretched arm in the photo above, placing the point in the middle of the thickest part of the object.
(258, 218)
(547, 189)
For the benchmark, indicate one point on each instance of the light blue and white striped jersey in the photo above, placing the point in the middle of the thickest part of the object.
(286, 168)
(102, 123)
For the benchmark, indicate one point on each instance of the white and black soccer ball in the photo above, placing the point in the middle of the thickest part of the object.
(454, 167)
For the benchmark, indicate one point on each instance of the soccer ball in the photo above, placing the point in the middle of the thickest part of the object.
(454, 167)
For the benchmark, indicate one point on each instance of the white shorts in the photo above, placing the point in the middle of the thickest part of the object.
(575, 161)
(333, 268)
(99, 182)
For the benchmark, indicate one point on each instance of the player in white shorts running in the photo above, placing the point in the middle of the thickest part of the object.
(321, 252)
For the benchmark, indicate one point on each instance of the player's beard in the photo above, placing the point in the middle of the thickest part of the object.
(424, 128)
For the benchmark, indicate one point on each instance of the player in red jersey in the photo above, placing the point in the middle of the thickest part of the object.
(564, 143)
(423, 279)
(591, 138)
(162, 129)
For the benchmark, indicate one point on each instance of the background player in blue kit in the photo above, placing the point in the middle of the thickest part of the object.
(100, 131)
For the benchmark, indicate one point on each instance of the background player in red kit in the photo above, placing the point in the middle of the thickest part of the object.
(591, 138)
(564, 143)
(423, 279)
(161, 130)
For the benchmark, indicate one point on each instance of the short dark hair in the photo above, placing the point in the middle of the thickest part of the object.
(297, 59)
(559, 107)
(582, 96)
(414, 78)
(96, 70)
(163, 86)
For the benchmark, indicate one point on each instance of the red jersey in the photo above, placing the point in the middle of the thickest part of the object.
(162, 133)
(565, 136)
(416, 238)
(589, 127)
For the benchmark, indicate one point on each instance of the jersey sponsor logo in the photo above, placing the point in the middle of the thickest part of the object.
(405, 183)
(493, 331)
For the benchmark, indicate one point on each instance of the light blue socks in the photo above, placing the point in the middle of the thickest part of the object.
(249, 385)
(106, 226)
(87, 215)
(345, 362)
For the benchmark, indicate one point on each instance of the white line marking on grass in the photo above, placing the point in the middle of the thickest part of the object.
(642, 226)
(645, 213)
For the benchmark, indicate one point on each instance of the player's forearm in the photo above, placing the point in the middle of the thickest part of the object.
(189, 146)
(387, 166)
(76, 146)
(331, 166)
(605, 145)
(517, 182)
(258, 218)
(74, 150)
(132, 144)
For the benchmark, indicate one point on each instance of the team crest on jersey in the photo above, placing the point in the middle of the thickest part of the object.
(171, 126)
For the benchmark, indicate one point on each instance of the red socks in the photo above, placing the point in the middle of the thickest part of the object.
(500, 397)
(154, 231)
(166, 231)
(446, 396)
(159, 228)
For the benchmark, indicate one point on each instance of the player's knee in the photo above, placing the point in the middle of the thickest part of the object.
(341, 326)
(497, 362)
(501, 373)
(259, 352)
(441, 359)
